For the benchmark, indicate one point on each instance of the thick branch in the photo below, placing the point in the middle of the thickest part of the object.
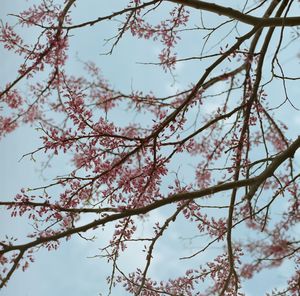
(239, 16)
(277, 161)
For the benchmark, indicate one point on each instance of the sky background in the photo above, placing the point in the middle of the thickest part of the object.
(69, 271)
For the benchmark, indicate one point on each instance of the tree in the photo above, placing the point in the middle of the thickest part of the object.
(226, 173)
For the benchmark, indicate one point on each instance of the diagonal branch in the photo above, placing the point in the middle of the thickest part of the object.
(239, 16)
(268, 172)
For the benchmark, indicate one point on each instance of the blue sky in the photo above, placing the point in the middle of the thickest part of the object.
(68, 270)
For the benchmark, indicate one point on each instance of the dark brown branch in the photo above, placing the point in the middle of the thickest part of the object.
(45, 53)
(277, 161)
(111, 16)
(239, 16)
(12, 269)
(57, 207)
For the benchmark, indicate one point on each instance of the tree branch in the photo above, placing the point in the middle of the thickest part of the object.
(277, 161)
(239, 16)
